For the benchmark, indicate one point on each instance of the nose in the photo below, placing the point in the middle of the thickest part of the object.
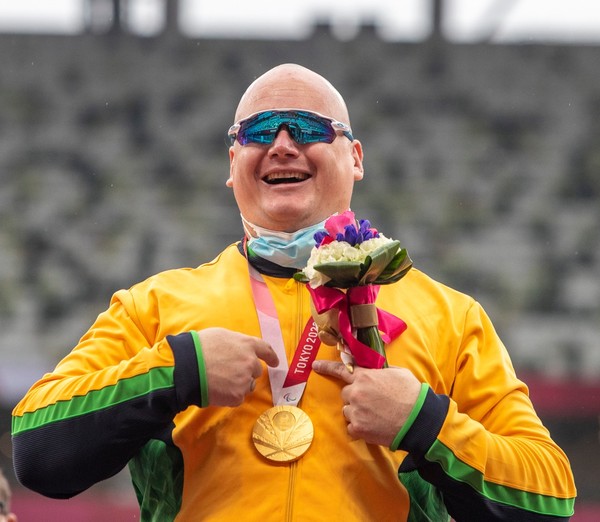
(283, 144)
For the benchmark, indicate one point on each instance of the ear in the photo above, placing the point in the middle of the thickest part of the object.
(229, 182)
(357, 155)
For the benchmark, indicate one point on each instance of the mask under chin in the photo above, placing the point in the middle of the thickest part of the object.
(290, 249)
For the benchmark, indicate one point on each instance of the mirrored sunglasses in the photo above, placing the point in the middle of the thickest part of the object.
(304, 127)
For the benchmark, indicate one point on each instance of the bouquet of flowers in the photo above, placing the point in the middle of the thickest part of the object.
(346, 267)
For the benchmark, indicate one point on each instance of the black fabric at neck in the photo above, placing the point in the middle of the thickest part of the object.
(264, 266)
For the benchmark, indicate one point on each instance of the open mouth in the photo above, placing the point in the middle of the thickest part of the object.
(279, 178)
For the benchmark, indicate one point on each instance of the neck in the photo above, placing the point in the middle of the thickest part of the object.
(254, 231)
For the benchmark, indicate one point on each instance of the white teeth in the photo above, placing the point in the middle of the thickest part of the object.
(298, 176)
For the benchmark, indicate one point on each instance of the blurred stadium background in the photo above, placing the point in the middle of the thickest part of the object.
(482, 157)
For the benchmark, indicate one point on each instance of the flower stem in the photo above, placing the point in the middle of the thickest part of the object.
(370, 336)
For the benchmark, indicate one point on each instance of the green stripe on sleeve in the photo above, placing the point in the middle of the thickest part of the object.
(201, 370)
(534, 502)
(125, 390)
(411, 417)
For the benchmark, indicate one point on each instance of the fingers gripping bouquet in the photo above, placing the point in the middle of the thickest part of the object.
(346, 267)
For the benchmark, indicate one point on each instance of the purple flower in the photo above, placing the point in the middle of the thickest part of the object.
(320, 236)
(366, 232)
(342, 227)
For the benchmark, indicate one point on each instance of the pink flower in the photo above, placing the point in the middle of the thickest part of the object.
(326, 240)
(336, 224)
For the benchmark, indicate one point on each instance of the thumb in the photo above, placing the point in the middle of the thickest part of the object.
(333, 369)
(264, 351)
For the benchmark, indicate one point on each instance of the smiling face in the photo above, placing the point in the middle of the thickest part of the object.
(286, 186)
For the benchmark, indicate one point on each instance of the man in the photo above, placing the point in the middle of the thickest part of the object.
(5, 497)
(170, 378)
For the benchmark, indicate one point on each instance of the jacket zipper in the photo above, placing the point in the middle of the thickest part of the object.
(294, 465)
(291, 486)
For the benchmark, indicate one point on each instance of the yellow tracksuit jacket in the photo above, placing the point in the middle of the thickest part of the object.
(130, 393)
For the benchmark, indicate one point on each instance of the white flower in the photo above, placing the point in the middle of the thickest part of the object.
(370, 245)
(339, 251)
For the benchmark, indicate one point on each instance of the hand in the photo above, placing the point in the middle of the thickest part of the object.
(232, 362)
(376, 402)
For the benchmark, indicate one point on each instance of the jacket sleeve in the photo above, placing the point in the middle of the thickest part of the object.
(482, 445)
(116, 390)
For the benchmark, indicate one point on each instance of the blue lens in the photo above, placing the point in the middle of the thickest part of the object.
(304, 127)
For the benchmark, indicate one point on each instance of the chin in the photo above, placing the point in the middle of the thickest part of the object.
(290, 218)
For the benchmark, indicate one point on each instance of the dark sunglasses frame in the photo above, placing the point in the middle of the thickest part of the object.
(304, 126)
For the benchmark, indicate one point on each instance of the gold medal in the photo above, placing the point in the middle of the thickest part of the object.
(283, 433)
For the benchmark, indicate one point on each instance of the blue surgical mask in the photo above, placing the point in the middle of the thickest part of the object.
(291, 249)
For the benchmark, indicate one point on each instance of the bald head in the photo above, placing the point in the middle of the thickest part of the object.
(291, 86)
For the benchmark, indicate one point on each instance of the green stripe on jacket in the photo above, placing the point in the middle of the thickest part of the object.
(122, 391)
(534, 502)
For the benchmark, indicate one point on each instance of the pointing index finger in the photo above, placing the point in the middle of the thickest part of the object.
(333, 369)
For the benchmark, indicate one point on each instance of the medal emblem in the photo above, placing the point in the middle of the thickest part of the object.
(283, 433)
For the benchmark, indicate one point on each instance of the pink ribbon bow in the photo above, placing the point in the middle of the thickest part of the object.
(326, 298)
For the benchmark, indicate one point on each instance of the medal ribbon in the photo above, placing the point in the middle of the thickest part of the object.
(287, 382)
